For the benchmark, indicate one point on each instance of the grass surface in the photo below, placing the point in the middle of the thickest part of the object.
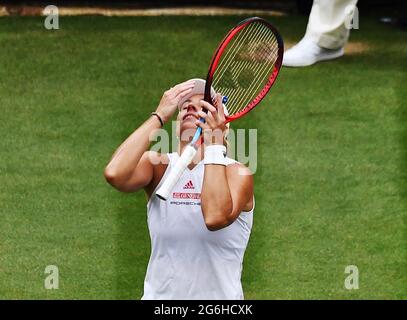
(331, 179)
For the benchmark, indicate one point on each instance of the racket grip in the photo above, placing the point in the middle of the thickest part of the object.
(186, 158)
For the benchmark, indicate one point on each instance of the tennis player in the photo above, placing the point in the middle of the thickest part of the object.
(200, 234)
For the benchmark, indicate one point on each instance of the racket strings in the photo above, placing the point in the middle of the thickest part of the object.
(261, 77)
(253, 30)
(245, 95)
(241, 38)
(238, 66)
(246, 66)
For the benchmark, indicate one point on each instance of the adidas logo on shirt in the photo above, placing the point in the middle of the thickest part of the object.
(189, 185)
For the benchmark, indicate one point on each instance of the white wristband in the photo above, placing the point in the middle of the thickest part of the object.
(215, 154)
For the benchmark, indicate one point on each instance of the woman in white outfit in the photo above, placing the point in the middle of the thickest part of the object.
(199, 235)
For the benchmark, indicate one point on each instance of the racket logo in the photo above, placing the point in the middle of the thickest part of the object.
(235, 78)
(189, 185)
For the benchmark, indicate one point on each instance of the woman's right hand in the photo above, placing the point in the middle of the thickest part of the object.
(171, 97)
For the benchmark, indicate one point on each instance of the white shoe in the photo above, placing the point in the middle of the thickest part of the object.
(306, 53)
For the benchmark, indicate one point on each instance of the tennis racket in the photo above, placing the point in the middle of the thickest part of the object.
(243, 69)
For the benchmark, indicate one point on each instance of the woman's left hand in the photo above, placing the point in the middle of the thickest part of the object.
(215, 122)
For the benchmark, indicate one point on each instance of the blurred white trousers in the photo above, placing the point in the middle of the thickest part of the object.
(328, 23)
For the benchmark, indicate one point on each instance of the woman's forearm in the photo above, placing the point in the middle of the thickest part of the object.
(216, 200)
(125, 171)
(125, 159)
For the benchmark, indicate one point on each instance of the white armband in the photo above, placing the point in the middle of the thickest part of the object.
(215, 154)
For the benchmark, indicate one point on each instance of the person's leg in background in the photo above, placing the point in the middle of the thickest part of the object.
(326, 36)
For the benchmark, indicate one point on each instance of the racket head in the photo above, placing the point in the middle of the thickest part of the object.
(245, 65)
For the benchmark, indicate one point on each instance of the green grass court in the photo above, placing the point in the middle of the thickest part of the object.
(330, 186)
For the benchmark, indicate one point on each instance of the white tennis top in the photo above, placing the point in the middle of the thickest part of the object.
(187, 260)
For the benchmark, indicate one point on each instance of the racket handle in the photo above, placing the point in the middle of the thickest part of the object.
(186, 158)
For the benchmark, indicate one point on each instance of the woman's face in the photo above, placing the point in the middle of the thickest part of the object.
(188, 114)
